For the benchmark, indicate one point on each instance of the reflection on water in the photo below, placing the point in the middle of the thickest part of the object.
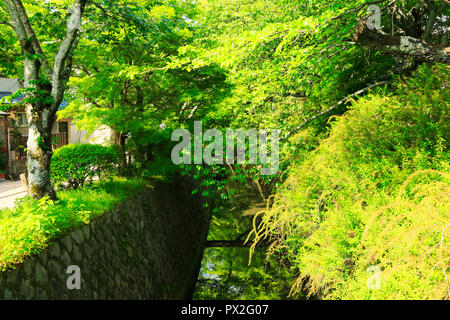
(225, 274)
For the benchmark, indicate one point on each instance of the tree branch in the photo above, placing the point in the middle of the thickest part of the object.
(32, 36)
(401, 45)
(18, 26)
(357, 93)
(9, 24)
(107, 13)
(73, 26)
(231, 244)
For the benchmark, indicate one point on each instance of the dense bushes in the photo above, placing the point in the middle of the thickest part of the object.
(371, 203)
(78, 164)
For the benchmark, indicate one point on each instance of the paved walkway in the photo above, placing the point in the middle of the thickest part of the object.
(9, 192)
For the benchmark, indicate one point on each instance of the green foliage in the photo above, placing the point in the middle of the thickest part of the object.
(375, 193)
(33, 224)
(126, 84)
(368, 188)
(78, 164)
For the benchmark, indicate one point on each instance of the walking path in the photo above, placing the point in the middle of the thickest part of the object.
(9, 192)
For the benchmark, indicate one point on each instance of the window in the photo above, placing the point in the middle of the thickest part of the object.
(63, 126)
(21, 120)
(21, 151)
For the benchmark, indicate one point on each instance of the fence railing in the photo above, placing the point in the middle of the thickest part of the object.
(59, 139)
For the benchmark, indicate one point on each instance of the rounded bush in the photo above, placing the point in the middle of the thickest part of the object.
(78, 164)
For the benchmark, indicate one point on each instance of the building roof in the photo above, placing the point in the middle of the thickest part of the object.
(5, 94)
(10, 86)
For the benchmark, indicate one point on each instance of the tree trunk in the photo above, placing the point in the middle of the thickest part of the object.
(40, 123)
(41, 113)
(123, 155)
(39, 153)
(39, 157)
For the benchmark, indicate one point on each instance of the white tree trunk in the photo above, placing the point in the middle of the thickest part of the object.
(39, 153)
(41, 114)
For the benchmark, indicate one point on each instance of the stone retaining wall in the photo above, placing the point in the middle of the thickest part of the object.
(149, 247)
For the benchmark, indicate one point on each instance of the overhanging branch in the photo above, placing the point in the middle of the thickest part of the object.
(9, 24)
(232, 244)
(401, 45)
(337, 105)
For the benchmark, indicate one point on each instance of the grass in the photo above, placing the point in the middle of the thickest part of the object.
(32, 224)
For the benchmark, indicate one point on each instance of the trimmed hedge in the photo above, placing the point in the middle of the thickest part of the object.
(78, 164)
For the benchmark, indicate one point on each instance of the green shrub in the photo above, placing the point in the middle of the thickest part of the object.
(373, 196)
(78, 164)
